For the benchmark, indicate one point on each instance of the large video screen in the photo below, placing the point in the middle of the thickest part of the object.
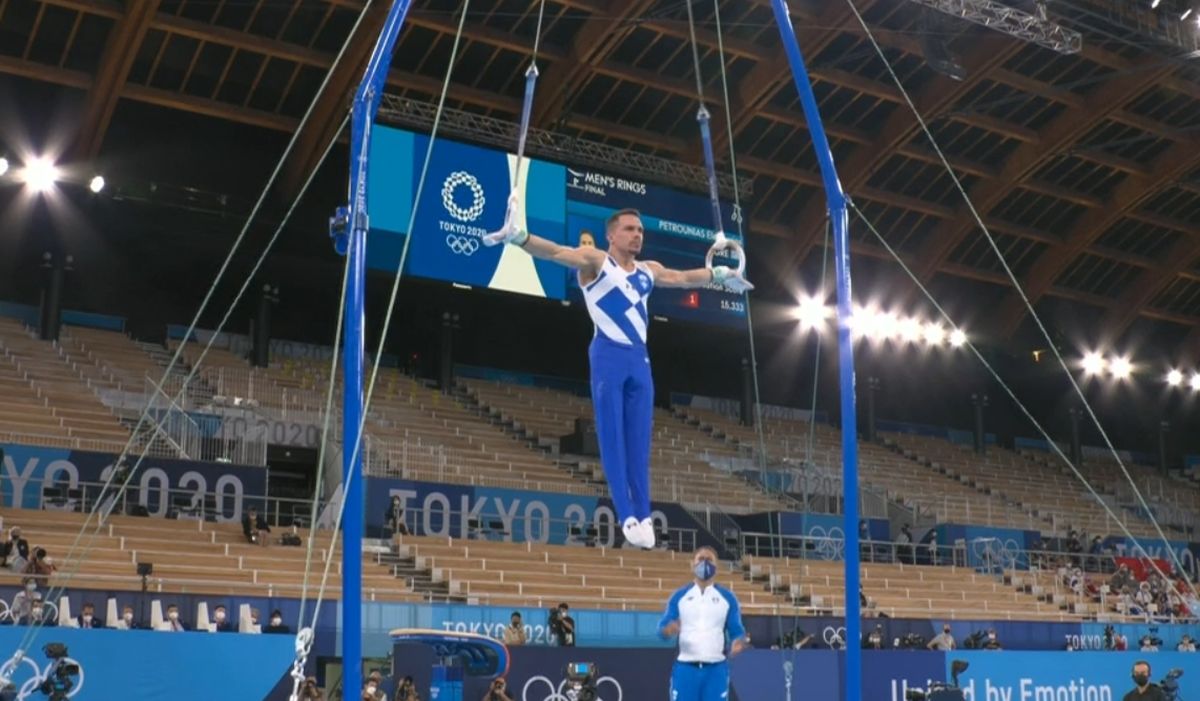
(465, 196)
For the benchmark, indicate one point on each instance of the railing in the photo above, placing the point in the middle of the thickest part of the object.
(90, 444)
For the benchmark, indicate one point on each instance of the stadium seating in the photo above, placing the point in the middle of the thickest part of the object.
(188, 557)
(46, 399)
(681, 465)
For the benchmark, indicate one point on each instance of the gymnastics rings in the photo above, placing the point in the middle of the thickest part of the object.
(726, 244)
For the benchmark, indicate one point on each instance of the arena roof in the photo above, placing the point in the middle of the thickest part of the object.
(1085, 167)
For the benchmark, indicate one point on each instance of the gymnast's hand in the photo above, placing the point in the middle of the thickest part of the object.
(730, 278)
(510, 232)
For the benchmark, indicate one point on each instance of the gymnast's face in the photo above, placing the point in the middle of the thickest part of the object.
(586, 240)
(625, 234)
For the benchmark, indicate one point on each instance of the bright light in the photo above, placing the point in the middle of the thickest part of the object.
(886, 325)
(957, 338)
(1195, 382)
(1186, 13)
(934, 334)
(910, 330)
(3, 165)
(1121, 368)
(811, 313)
(1154, 4)
(40, 174)
(97, 184)
(1093, 363)
(1174, 378)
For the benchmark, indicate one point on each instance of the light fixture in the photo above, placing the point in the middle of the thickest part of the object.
(1120, 368)
(40, 174)
(934, 333)
(1195, 382)
(957, 338)
(909, 330)
(811, 313)
(97, 184)
(1174, 378)
(1093, 363)
(3, 165)
(1154, 4)
(1186, 13)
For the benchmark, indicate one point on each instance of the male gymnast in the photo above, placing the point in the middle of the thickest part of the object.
(616, 287)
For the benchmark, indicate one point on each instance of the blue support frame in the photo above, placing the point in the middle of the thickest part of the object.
(352, 241)
(838, 213)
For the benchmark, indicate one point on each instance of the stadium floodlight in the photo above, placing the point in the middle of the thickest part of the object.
(1174, 378)
(957, 338)
(3, 165)
(812, 313)
(1154, 4)
(1009, 20)
(885, 327)
(1195, 382)
(97, 184)
(909, 330)
(1120, 367)
(1093, 363)
(1186, 13)
(40, 174)
(934, 334)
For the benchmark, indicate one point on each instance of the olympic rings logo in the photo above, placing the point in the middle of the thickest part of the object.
(559, 693)
(451, 184)
(835, 638)
(829, 545)
(462, 245)
(994, 551)
(33, 684)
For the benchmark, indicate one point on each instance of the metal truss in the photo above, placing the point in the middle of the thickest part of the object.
(1131, 22)
(558, 147)
(1010, 20)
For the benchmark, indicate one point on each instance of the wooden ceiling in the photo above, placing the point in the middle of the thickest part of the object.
(1086, 168)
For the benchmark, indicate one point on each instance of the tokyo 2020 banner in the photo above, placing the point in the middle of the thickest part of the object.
(466, 194)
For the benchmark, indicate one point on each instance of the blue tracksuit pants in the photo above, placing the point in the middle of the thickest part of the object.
(623, 400)
(708, 681)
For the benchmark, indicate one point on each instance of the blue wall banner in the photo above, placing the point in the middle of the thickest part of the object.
(153, 665)
(26, 468)
(437, 509)
(1075, 676)
(998, 548)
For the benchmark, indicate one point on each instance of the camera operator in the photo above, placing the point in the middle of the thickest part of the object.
(1143, 690)
(874, 640)
(407, 691)
(310, 692)
(562, 626)
(497, 691)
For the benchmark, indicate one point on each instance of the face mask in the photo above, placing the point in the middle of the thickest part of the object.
(946, 631)
(220, 615)
(173, 615)
(991, 636)
(87, 617)
(371, 688)
(129, 618)
(1141, 679)
(31, 586)
(37, 613)
(276, 621)
(704, 570)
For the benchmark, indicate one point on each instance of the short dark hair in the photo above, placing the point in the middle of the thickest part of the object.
(564, 606)
(612, 218)
(516, 613)
(1135, 664)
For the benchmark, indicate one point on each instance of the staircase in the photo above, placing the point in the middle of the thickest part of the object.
(419, 579)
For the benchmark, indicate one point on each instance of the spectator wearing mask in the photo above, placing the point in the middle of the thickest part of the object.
(498, 691)
(942, 641)
(255, 528)
(373, 688)
(1147, 644)
(406, 691)
(1120, 579)
(1186, 644)
(87, 618)
(563, 627)
(1143, 689)
(127, 622)
(15, 550)
(39, 614)
(221, 621)
(174, 624)
(514, 632)
(992, 642)
(23, 602)
(39, 568)
(393, 518)
(275, 624)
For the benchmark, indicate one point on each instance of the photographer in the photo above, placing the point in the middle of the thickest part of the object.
(562, 626)
(1143, 690)
(514, 633)
(393, 519)
(310, 692)
(407, 691)
(15, 550)
(497, 691)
